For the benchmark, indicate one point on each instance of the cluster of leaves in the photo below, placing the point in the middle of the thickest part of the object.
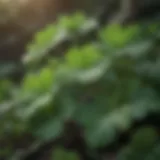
(106, 85)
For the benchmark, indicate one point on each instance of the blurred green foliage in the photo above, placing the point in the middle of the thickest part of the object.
(105, 85)
(60, 154)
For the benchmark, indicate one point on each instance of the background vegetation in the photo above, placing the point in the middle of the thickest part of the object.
(88, 92)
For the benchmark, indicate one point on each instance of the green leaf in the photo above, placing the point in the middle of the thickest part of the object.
(105, 130)
(42, 42)
(83, 57)
(117, 36)
(50, 129)
(38, 82)
(73, 22)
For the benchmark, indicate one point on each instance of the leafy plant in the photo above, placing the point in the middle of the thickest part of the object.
(106, 85)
